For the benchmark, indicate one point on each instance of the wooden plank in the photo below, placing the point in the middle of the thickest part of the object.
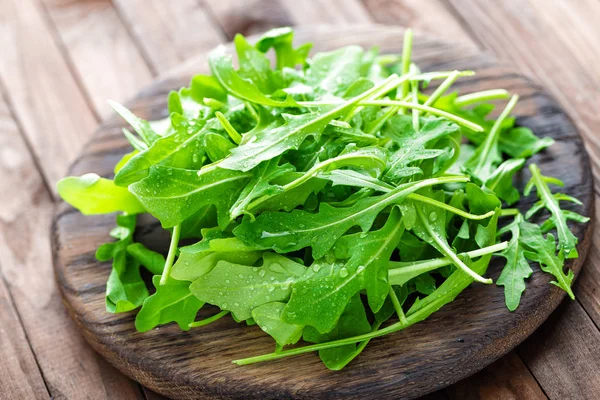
(506, 379)
(43, 94)
(101, 50)
(20, 377)
(428, 17)
(248, 16)
(328, 12)
(550, 40)
(563, 354)
(68, 364)
(169, 32)
(587, 287)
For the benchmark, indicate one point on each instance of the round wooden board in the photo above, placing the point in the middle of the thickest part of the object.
(458, 340)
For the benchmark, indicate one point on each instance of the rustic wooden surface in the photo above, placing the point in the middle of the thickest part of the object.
(471, 332)
(60, 58)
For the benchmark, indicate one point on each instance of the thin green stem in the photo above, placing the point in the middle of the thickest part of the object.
(208, 320)
(401, 272)
(404, 104)
(171, 255)
(454, 210)
(406, 55)
(492, 137)
(233, 134)
(507, 212)
(397, 305)
(477, 97)
(437, 93)
(448, 252)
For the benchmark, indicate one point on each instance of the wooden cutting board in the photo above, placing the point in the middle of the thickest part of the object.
(460, 339)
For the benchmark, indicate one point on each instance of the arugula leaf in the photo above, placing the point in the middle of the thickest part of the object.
(280, 39)
(172, 302)
(371, 253)
(352, 322)
(271, 142)
(268, 317)
(543, 251)
(222, 69)
(173, 194)
(240, 288)
(517, 268)
(151, 260)
(125, 289)
(413, 145)
(285, 232)
(500, 182)
(199, 259)
(567, 242)
(140, 126)
(91, 194)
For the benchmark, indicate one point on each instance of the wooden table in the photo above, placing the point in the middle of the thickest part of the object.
(60, 60)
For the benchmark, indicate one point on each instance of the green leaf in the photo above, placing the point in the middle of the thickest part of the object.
(521, 142)
(91, 194)
(261, 184)
(371, 253)
(262, 145)
(543, 251)
(567, 242)
(200, 258)
(172, 194)
(125, 289)
(255, 66)
(335, 71)
(500, 182)
(222, 69)
(353, 321)
(285, 232)
(153, 261)
(414, 146)
(268, 317)
(217, 147)
(280, 39)
(172, 302)
(517, 267)
(240, 288)
(140, 126)
(182, 149)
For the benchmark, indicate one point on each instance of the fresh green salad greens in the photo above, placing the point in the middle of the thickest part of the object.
(332, 199)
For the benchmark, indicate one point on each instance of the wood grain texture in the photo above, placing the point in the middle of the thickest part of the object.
(550, 40)
(506, 379)
(564, 354)
(111, 68)
(247, 16)
(330, 12)
(429, 355)
(423, 16)
(69, 367)
(169, 32)
(43, 93)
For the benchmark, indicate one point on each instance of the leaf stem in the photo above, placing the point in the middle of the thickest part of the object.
(507, 212)
(401, 272)
(397, 306)
(437, 93)
(208, 320)
(406, 55)
(492, 137)
(404, 104)
(171, 255)
(233, 134)
(445, 248)
(484, 95)
(457, 211)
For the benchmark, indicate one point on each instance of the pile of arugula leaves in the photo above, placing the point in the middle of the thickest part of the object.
(333, 199)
